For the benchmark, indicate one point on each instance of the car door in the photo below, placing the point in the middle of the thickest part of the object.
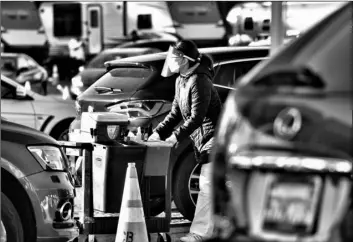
(15, 109)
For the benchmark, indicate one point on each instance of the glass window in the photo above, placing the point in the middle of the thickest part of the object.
(127, 79)
(194, 12)
(19, 15)
(94, 19)
(7, 91)
(228, 74)
(67, 19)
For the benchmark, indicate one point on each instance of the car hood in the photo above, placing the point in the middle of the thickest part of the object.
(20, 134)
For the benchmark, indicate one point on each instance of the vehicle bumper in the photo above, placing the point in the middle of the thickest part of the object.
(49, 191)
(62, 236)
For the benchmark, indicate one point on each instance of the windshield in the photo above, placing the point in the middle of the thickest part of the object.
(19, 15)
(194, 12)
(128, 79)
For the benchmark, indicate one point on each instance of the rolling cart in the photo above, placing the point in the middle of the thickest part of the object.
(103, 173)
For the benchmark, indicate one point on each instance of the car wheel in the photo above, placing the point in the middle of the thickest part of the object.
(10, 222)
(61, 130)
(186, 186)
(64, 136)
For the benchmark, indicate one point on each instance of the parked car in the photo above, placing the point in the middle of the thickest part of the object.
(283, 147)
(48, 114)
(37, 191)
(95, 68)
(135, 87)
(22, 68)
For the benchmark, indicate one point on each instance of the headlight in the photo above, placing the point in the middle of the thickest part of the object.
(49, 157)
(77, 81)
(138, 109)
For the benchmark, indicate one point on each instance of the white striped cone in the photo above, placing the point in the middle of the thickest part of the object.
(132, 224)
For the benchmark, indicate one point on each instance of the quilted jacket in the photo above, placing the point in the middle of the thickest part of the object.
(196, 102)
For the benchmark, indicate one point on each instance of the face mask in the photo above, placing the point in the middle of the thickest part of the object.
(173, 62)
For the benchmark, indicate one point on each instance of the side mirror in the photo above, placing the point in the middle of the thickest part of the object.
(144, 21)
(21, 92)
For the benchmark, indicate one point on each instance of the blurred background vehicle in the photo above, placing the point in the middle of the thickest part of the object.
(22, 30)
(134, 86)
(47, 114)
(251, 21)
(95, 68)
(105, 25)
(159, 43)
(37, 190)
(283, 152)
(23, 68)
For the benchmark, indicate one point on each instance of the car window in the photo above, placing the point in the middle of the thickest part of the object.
(127, 79)
(227, 74)
(8, 64)
(194, 12)
(99, 60)
(25, 62)
(7, 91)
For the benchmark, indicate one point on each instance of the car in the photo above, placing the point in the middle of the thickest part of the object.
(289, 121)
(135, 87)
(49, 114)
(95, 68)
(22, 68)
(37, 190)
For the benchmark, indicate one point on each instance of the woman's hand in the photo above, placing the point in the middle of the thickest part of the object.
(172, 139)
(154, 137)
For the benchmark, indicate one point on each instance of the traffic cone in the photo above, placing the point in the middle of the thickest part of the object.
(28, 86)
(132, 224)
(55, 75)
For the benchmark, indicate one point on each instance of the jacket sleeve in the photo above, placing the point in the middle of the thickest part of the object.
(166, 127)
(200, 92)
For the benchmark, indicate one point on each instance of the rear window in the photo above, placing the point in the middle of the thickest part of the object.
(126, 79)
(19, 15)
(194, 12)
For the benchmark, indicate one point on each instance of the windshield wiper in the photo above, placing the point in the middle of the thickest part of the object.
(104, 90)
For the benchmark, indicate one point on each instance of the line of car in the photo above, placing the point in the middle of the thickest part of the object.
(297, 102)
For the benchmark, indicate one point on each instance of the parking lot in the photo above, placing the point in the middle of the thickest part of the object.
(176, 121)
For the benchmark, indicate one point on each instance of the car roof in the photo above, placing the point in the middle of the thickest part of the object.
(133, 50)
(162, 55)
(144, 41)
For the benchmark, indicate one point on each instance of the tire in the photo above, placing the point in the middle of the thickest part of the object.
(61, 130)
(186, 185)
(11, 220)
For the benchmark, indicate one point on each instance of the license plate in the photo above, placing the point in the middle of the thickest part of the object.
(291, 206)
